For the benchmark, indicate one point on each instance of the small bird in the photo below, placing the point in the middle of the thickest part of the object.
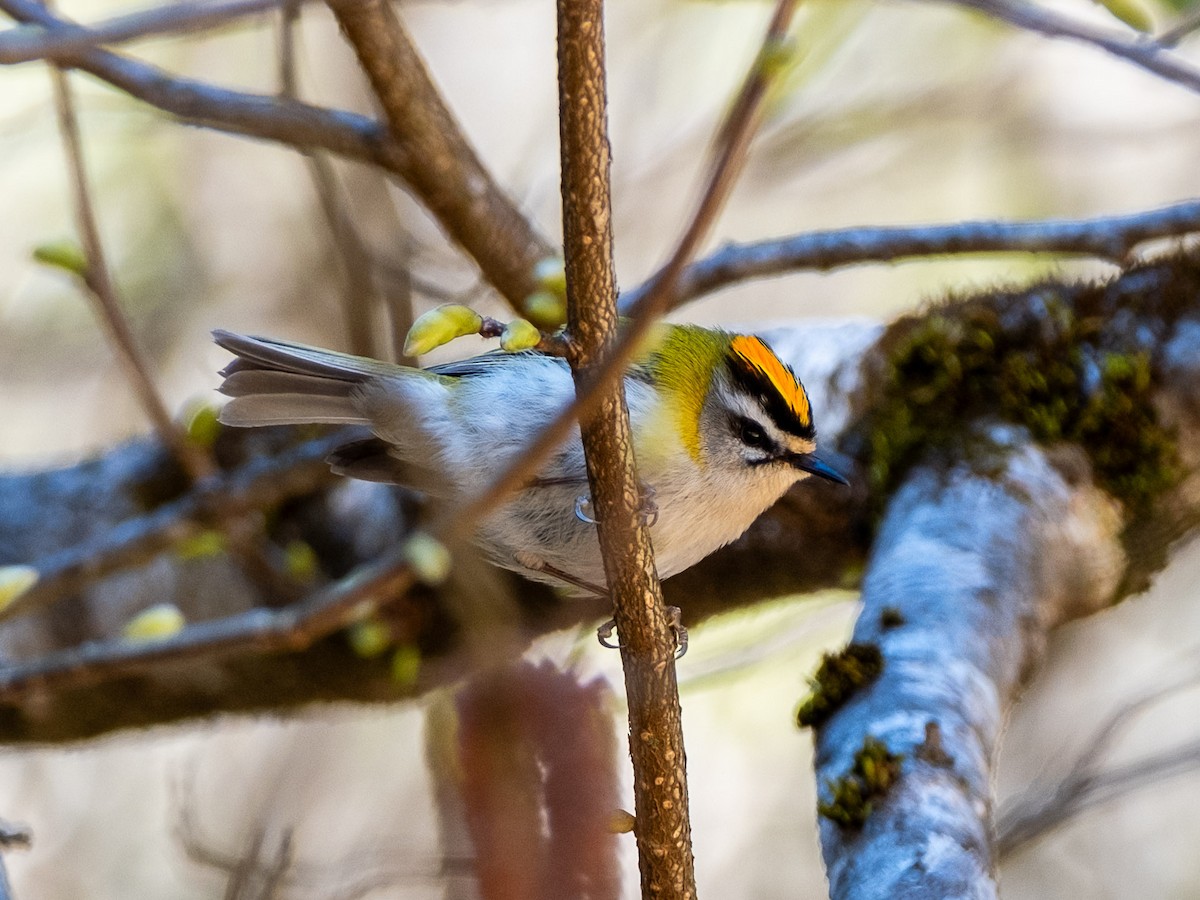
(722, 428)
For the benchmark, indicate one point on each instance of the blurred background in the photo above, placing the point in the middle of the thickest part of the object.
(895, 113)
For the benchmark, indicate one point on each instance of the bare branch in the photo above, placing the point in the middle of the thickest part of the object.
(294, 627)
(261, 484)
(443, 169)
(26, 44)
(358, 293)
(990, 541)
(663, 827)
(98, 280)
(1111, 238)
(488, 227)
(1142, 51)
(1041, 809)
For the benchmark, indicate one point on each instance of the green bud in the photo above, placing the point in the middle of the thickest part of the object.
(64, 254)
(440, 326)
(369, 638)
(201, 546)
(203, 427)
(546, 310)
(15, 581)
(406, 665)
(621, 822)
(519, 334)
(551, 275)
(428, 557)
(154, 624)
(300, 560)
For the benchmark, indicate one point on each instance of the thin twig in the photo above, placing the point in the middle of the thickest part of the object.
(1181, 29)
(446, 172)
(663, 829)
(1138, 50)
(1111, 238)
(98, 280)
(260, 484)
(359, 295)
(492, 231)
(27, 44)
(1087, 784)
(290, 628)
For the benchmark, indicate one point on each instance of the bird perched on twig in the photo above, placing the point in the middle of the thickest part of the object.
(722, 428)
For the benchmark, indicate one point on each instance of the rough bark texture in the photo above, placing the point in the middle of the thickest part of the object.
(663, 828)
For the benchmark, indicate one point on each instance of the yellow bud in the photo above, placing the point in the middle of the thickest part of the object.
(1133, 13)
(519, 334)
(300, 560)
(369, 638)
(621, 822)
(547, 310)
(201, 546)
(428, 557)
(15, 581)
(64, 254)
(406, 665)
(440, 326)
(551, 275)
(203, 427)
(154, 624)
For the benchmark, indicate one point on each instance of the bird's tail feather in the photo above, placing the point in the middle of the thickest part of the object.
(280, 383)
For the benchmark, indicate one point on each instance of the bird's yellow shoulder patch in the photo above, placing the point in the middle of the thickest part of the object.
(681, 360)
(756, 355)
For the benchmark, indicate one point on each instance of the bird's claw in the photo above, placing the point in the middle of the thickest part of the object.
(604, 634)
(674, 620)
(649, 509)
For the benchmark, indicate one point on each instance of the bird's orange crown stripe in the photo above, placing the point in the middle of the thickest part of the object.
(757, 354)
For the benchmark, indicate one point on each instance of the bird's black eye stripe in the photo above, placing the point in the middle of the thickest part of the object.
(751, 433)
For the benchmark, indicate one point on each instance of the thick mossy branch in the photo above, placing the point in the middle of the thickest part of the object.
(838, 677)
(854, 795)
(1068, 362)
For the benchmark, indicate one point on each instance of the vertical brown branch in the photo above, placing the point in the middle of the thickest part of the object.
(438, 162)
(647, 645)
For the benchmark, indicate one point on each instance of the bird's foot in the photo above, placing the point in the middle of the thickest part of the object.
(647, 508)
(674, 621)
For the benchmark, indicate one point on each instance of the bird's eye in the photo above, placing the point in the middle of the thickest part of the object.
(751, 433)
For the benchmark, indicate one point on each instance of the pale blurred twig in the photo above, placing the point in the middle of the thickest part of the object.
(358, 293)
(98, 280)
(260, 484)
(29, 43)
(1042, 809)
(1140, 50)
(1181, 29)
(486, 224)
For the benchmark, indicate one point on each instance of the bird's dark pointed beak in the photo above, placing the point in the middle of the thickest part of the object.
(811, 463)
